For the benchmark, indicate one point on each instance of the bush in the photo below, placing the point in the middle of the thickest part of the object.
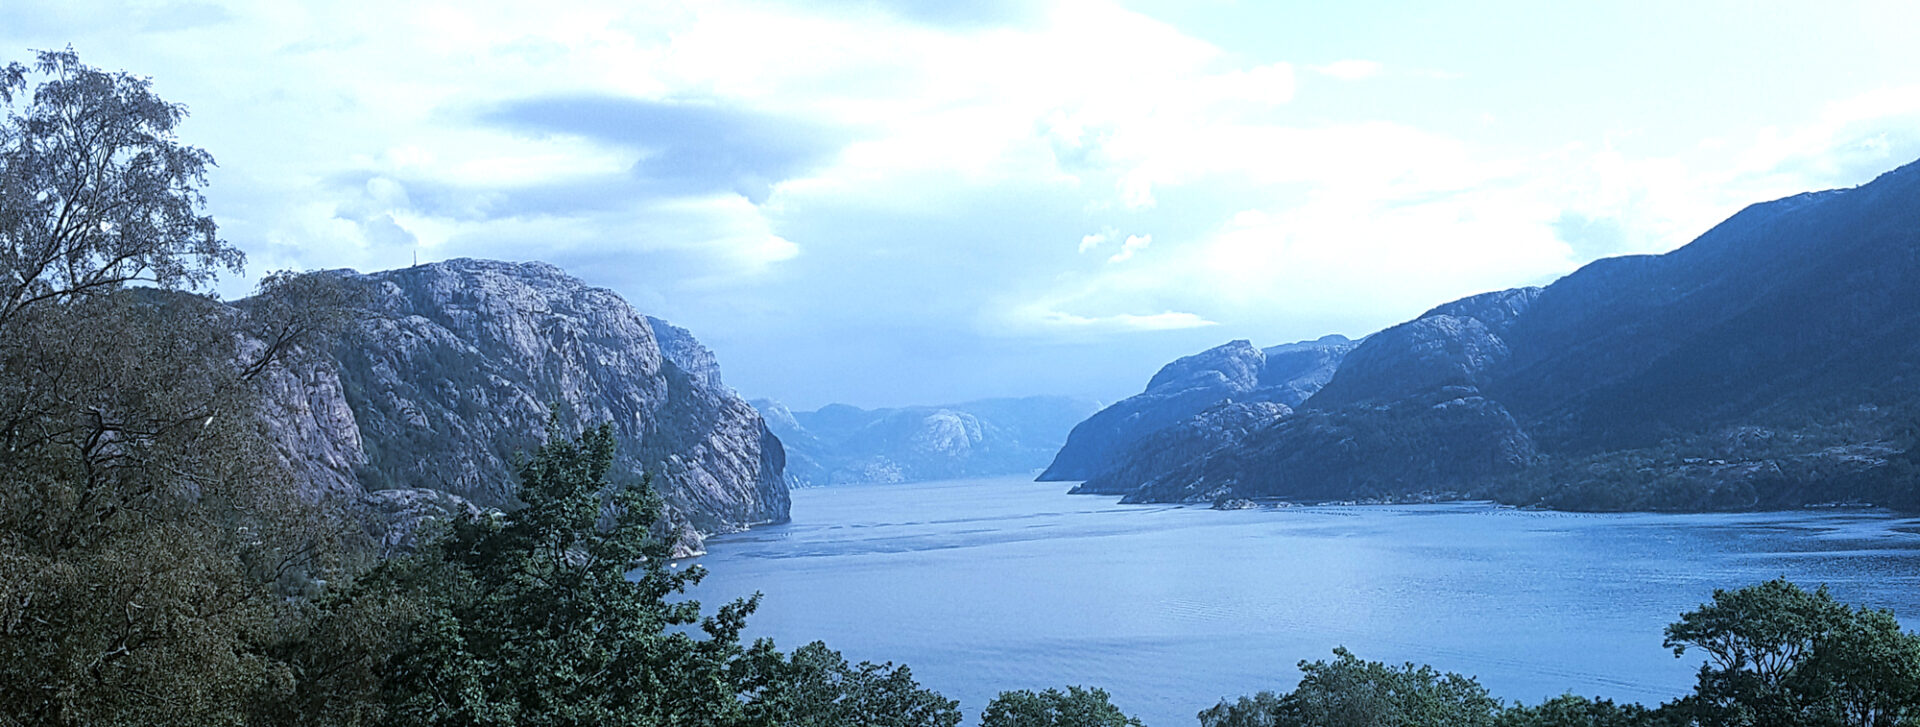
(1076, 707)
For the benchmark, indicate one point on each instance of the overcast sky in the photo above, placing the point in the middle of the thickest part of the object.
(918, 201)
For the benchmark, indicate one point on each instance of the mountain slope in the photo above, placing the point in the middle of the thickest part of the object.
(1235, 371)
(1774, 361)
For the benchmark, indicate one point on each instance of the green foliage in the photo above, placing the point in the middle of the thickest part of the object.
(1777, 654)
(1350, 692)
(534, 619)
(1259, 710)
(815, 687)
(1076, 707)
(1568, 710)
(540, 617)
(151, 542)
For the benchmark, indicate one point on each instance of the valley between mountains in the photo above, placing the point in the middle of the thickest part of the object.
(1773, 363)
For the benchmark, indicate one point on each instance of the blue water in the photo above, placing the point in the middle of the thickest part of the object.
(988, 585)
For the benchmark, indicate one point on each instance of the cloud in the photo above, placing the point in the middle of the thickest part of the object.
(1591, 237)
(183, 16)
(686, 147)
(1134, 244)
(1095, 240)
(690, 241)
(947, 14)
(1349, 70)
(382, 230)
(1128, 247)
(892, 181)
(1119, 322)
(1852, 140)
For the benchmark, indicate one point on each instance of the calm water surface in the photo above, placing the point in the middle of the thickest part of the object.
(988, 585)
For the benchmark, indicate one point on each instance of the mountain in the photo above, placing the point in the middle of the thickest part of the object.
(447, 370)
(1284, 375)
(840, 444)
(1773, 362)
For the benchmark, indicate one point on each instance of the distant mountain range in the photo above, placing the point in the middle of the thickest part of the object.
(1773, 362)
(840, 444)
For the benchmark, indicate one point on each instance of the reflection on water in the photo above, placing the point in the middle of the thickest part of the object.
(988, 585)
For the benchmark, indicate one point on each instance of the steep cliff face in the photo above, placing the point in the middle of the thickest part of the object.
(452, 368)
(305, 413)
(680, 347)
(840, 444)
(1234, 371)
(1633, 383)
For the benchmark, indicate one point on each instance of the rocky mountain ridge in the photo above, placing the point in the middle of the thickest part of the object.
(1285, 375)
(447, 370)
(1772, 362)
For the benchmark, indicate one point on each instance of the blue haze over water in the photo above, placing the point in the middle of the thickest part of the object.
(995, 584)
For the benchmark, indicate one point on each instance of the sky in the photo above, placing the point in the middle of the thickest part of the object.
(890, 202)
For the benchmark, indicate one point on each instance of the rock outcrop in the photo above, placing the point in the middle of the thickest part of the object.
(305, 413)
(840, 444)
(680, 347)
(1168, 448)
(1235, 371)
(1455, 345)
(449, 369)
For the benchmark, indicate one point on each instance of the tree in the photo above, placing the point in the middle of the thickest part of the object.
(1348, 692)
(1568, 710)
(95, 190)
(149, 533)
(150, 538)
(815, 687)
(537, 620)
(1259, 710)
(1076, 707)
(1780, 655)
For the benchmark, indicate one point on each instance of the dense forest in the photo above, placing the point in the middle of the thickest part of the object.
(160, 564)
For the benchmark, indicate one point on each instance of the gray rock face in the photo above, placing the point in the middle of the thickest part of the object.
(840, 444)
(679, 346)
(1223, 425)
(1453, 345)
(1231, 365)
(304, 411)
(1498, 310)
(1234, 371)
(454, 367)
